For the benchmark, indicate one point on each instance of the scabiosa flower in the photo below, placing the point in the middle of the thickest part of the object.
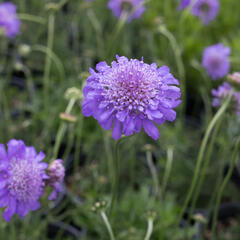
(216, 60)
(22, 176)
(9, 20)
(222, 93)
(207, 10)
(131, 95)
(120, 7)
(56, 172)
(183, 4)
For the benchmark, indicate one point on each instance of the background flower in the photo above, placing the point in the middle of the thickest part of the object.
(207, 10)
(131, 95)
(216, 60)
(9, 20)
(184, 4)
(119, 7)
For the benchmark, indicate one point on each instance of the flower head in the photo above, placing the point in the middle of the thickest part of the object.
(56, 172)
(9, 20)
(22, 176)
(183, 4)
(222, 93)
(131, 95)
(216, 60)
(207, 10)
(134, 8)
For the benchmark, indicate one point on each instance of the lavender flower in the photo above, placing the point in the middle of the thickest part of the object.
(222, 93)
(134, 8)
(56, 172)
(183, 4)
(9, 20)
(131, 95)
(207, 10)
(216, 60)
(22, 176)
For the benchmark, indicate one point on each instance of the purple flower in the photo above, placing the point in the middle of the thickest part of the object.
(133, 7)
(9, 20)
(207, 10)
(22, 176)
(56, 172)
(183, 4)
(222, 93)
(131, 95)
(216, 60)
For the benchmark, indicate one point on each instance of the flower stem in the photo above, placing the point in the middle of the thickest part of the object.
(108, 225)
(153, 171)
(62, 129)
(115, 175)
(205, 167)
(223, 186)
(47, 68)
(149, 229)
(200, 155)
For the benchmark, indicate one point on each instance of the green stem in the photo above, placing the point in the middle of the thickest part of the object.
(31, 18)
(205, 168)
(115, 174)
(62, 129)
(167, 170)
(223, 186)
(149, 229)
(47, 67)
(201, 153)
(153, 171)
(108, 225)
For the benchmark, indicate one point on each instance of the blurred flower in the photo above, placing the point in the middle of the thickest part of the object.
(9, 20)
(134, 8)
(22, 178)
(216, 60)
(207, 10)
(131, 95)
(56, 172)
(222, 93)
(234, 78)
(183, 4)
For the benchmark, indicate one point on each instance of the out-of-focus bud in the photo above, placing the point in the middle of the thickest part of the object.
(56, 173)
(24, 50)
(18, 66)
(73, 93)
(67, 117)
(99, 206)
(234, 79)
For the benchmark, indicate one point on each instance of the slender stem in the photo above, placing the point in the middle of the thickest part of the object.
(205, 168)
(153, 171)
(201, 153)
(47, 67)
(167, 170)
(31, 18)
(108, 225)
(223, 186)
(115, 175)
(62, 129)
(149, 229)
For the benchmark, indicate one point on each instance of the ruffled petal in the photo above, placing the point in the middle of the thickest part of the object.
(8, 213)
(116, 133)
(151, 129)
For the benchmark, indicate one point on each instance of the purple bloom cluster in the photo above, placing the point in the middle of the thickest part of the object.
(207, 10)
(222, 93)
(56, 172)
(134, 8)
(183, 4)
(131, 95)
(9, 20)
(22, 176)
(216, 60)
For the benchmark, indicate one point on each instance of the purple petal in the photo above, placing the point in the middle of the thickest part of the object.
(116, 133)
(8, 213)
(151, 129)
